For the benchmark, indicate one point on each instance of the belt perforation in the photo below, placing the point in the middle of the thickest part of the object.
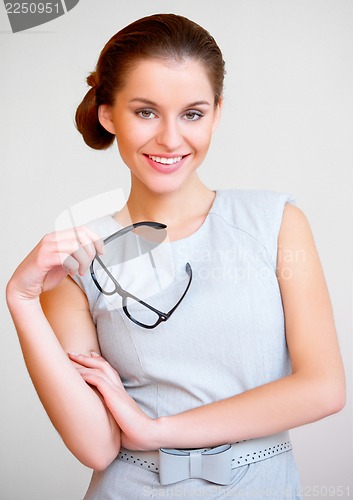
(133, 459)
(165, 461)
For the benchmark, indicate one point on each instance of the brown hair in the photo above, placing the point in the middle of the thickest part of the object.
(166, 36)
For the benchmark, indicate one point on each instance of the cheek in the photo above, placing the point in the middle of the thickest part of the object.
(126, 147)
(128, 142)
(136, 136)
(201, 138)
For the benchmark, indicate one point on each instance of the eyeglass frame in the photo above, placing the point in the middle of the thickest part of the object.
(162, 316)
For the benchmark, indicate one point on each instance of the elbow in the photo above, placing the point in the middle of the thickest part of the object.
(99, 464)
(337, 401)
(96, 455)
(333, 397)
(99, 461)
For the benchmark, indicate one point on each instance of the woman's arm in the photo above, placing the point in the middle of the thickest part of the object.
(315, 389)
(75, 408)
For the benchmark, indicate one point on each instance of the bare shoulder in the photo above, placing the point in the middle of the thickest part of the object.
(297, 252)
(67, 310)
(299, 268)
(294, 225)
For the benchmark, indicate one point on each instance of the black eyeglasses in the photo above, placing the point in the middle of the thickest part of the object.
(142, 238)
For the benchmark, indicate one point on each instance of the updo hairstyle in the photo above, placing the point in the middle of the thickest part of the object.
(161, 36)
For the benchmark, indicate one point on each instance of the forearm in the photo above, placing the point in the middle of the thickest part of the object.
(281, 405)
(74, 408)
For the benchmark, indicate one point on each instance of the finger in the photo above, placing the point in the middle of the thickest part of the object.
(74, 239)
(83, 260)
(85, 241)
(77, 262)
(82, 359)
(71, 265)
(50, 260)
(90, 361)
(95, 239)
(74, 364)
(107, 368)
(88, 246)
(95, 361)
(88, 239)
(91, 377)
(54, 252)
(81, 234)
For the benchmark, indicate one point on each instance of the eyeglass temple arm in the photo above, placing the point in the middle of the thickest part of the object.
(124, 230)
(189, 272)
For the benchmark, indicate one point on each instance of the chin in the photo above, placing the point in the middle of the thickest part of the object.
(163, 189)
(163, 185)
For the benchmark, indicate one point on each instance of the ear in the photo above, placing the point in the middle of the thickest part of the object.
(217, 114)
(105, 118)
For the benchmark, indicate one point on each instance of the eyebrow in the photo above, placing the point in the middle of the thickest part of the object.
(152, 103)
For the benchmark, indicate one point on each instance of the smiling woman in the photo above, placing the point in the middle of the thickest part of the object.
(173, 117)
(242, 346)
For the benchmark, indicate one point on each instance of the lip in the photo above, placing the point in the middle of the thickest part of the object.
(164, 168)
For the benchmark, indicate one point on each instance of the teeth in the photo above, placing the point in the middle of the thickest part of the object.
(165, 161)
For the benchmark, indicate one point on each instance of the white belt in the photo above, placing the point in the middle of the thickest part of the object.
(213, 464)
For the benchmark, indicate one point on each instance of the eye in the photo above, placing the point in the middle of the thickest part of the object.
(193, 115)
(147, 114)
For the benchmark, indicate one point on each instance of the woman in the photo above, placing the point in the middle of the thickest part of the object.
(243, 344)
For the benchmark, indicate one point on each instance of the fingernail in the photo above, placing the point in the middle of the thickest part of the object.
(94, 354)
(73, 353)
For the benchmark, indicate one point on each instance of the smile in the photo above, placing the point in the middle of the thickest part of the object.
(165, 161)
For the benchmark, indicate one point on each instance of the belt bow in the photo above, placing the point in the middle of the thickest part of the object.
(214, 465)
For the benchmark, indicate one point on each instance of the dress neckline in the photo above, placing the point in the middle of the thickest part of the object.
(193, 235)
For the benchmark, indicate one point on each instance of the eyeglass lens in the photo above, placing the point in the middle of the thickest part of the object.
(140, 264)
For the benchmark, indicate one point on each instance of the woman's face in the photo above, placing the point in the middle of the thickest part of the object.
(163, 119)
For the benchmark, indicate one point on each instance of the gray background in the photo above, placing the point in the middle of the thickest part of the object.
(286, 126)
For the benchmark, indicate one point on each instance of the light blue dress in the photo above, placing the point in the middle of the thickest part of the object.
(226, 337)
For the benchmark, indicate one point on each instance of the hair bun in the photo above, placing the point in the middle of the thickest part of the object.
(87, 121)
(92, 79)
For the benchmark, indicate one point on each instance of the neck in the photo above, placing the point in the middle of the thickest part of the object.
(182, 210)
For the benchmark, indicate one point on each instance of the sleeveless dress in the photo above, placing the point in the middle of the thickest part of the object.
(227, 336)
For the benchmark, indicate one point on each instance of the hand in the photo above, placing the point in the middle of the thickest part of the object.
(56, 255)
(138, 431)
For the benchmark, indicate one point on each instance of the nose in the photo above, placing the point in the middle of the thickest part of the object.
(169, 134)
